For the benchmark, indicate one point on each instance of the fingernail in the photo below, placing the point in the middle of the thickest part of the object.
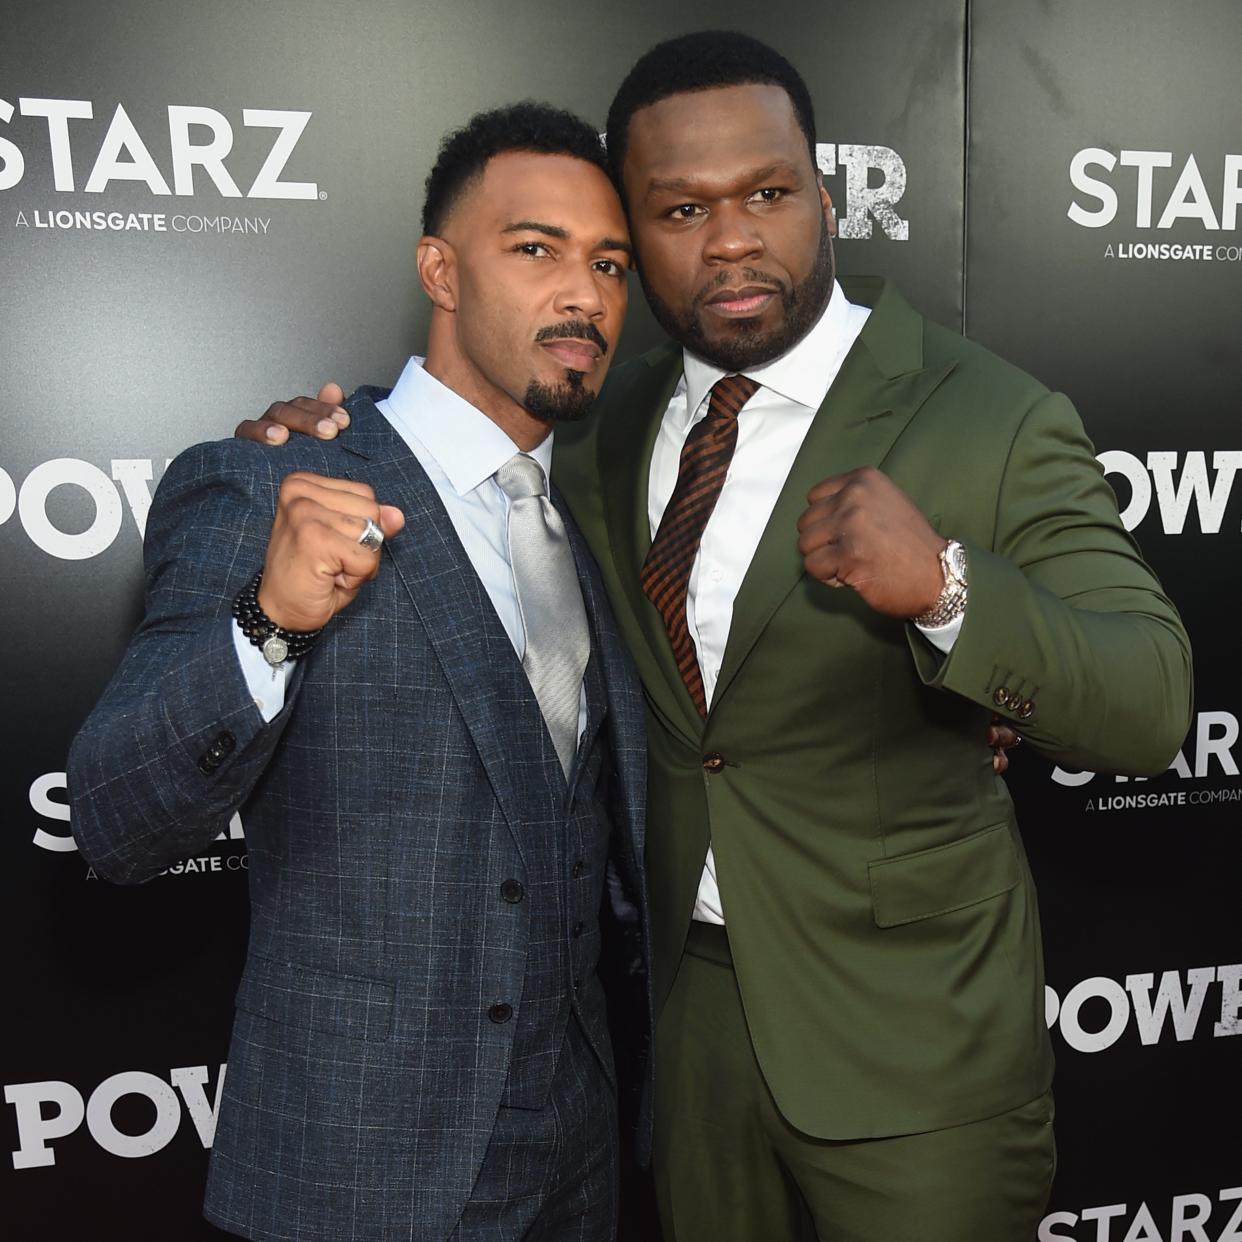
(326, 427)
(339, 416)
(275, 434)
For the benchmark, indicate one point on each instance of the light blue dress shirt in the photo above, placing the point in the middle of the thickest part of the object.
(461, 449)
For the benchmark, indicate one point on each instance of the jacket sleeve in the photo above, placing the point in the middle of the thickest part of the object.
(1067, 633)
(176, 743)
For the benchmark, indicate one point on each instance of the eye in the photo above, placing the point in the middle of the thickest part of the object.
(685, 211)
(610, 267)
(532, 250)
(769, 194)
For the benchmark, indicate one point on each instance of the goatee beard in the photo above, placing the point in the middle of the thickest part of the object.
(569, 400)
(558, 403)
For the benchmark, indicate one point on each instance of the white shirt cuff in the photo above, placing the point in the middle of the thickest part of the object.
(265, 682)
(942, 637)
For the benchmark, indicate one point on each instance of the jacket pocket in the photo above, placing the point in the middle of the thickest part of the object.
(316, 999)
(943, 878)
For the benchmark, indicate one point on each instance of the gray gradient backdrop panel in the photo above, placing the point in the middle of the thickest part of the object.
(1137, 897)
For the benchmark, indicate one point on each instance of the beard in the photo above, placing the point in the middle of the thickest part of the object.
(746, 345)
(565, 402)
(569, 400)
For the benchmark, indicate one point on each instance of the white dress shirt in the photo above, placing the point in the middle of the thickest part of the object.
(771, 428)
(461, 449)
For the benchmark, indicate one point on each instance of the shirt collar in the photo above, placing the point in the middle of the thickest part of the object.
(468, 446)
(802, 374)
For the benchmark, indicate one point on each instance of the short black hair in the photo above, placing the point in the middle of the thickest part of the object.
(525, 126)
(698, 62)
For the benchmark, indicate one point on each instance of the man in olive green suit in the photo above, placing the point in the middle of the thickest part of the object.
(881, 921)
(838, 539)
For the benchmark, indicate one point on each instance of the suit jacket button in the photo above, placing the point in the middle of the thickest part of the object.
(512, 891)
(500, 1013)
(713, 763)
(208, 763)
(579, 928)
(224, 743)
(577, 869)
(1026, 709)
(1000, 696)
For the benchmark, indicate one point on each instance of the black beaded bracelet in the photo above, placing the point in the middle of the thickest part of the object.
(276, 643)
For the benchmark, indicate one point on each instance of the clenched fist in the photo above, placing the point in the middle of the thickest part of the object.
(315, 564)
(861, 530)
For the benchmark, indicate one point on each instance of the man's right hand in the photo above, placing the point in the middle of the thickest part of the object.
(315, 564)
(320, 417)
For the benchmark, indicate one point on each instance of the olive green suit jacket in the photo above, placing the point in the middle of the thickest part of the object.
(880, 909)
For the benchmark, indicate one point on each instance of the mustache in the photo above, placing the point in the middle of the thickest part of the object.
(750, 275)
(577, 329)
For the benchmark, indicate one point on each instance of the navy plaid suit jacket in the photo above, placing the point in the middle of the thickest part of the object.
(384, 808)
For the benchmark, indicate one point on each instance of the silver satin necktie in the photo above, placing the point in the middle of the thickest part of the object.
(550, 601)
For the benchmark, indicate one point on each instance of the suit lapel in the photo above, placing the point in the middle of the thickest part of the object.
(474, 651)
(605, 680)
(626, 442)
(593, 678)
(879, 388)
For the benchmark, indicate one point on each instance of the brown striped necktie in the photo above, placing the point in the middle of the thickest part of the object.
(665, 576)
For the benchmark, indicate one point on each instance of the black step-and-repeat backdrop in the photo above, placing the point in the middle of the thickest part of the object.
(206, 207)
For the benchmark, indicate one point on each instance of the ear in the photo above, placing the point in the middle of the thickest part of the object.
(437, 271)
(826, 203)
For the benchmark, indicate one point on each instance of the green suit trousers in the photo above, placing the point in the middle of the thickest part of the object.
(731, 1168)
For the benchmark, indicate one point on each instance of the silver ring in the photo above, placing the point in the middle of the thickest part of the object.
(372, 538)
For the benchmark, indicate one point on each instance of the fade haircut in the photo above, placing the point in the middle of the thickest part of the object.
(699, 62)
(526, 126)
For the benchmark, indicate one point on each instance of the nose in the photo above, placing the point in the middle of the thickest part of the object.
(732, 236)
(579, 293)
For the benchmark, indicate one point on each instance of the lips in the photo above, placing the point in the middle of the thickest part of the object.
(742, 302)
(571, 352)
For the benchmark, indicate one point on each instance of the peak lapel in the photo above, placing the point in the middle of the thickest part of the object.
(626, 441)
(879, 388)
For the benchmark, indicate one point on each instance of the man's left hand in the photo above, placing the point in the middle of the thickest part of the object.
(320, 418)
(862, 531)
(1001, 738)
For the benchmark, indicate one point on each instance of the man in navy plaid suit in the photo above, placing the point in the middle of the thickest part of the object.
(420, 1049)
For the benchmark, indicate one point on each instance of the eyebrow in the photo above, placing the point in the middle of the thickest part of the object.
(534, 226)
(554, 230)
(686, 184)
(615, 243)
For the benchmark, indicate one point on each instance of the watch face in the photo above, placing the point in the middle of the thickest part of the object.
(275, 650)
(957, 559)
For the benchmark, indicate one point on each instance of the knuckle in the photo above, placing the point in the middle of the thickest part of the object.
(301, 509)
